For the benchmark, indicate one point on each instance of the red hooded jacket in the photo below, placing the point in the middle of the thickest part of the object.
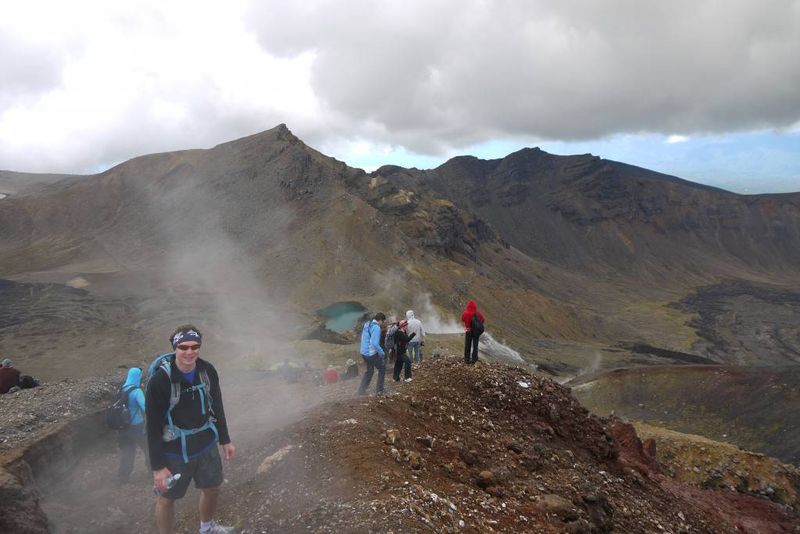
(469, 311)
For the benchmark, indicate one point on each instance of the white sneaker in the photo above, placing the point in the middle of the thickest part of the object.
(407, 380)
(216, 528)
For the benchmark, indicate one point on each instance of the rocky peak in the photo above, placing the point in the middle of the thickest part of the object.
(261, 141)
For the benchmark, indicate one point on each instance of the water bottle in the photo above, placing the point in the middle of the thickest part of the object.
(171, 480)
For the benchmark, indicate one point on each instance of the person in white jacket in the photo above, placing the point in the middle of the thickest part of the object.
(415, 345)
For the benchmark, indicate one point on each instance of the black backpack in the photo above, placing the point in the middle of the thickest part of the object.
(390, 342)
(475, 325)
(27, 381)
(118, 416)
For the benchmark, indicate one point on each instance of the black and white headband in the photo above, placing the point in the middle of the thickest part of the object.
(188, 335)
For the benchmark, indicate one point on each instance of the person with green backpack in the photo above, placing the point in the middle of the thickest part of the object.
(185, 426)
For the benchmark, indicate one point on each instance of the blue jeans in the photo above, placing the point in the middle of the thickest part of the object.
(372, 362)
(415, 351)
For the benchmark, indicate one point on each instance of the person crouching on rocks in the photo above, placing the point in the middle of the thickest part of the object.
(403, 359)
(473, 323)
(373, 354)
(133, 434)
(185, 424)
(9, 377)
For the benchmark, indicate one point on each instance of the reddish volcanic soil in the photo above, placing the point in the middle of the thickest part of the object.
(485, 448)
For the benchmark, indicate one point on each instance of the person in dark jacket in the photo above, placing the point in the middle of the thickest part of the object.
(402, 359)
(184, 439)
(132, 436)
(470, 337)
(9, 377)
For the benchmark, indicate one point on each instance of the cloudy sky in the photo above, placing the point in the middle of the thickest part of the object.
(706, 90)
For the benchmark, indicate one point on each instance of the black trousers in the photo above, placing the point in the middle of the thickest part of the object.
(402, 363)
(128, 439)
(470, 340)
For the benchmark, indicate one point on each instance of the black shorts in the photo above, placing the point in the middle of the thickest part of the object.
(206, 470)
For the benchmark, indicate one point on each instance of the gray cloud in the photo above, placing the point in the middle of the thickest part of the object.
(449, 73)
(207, 122)
(432, 77)
(27, 69)
(136, 133)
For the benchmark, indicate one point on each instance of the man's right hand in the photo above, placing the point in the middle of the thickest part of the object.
(160, 479)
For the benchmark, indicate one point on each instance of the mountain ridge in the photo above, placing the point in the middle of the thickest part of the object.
(585, 243)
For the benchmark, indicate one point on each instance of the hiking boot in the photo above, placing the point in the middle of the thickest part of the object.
(216, 528)
(407, 380)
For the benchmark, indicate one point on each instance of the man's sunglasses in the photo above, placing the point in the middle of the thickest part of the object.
(188, 347)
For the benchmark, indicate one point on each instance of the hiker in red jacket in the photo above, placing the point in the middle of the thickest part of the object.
(473, 324)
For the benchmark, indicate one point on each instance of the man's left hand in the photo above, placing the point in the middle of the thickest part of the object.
(228, 449)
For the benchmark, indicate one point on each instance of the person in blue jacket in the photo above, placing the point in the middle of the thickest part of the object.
(373, 353)
(134, 434)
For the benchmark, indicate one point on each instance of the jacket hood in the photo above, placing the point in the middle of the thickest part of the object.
(472, 306)
(410, 314)
(134, 377)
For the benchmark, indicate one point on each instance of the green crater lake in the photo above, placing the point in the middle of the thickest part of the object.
(341, 316)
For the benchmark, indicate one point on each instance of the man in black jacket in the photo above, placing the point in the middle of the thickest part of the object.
(185, 422)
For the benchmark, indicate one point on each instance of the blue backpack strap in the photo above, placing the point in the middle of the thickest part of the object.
(204, 388)
(205, 401)
(210, 401)
(175, 391)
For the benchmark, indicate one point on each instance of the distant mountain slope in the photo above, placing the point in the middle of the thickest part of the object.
(577, 212)
(17, 183)
(255, 234)
(585, 213)
(753, 407)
